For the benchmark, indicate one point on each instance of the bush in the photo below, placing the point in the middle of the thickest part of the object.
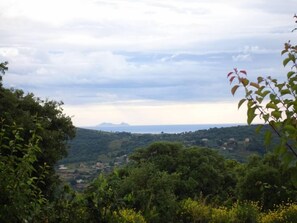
(198, 211)
(128, 216)
(195, 211)
(245, 212)
(284, 213)
(220, 215)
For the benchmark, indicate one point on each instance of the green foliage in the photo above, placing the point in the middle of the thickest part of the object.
(33, 137)
(245, 212)
(284, 213)
(151, 191)
(21, 198)
(164, 180)
(26, 111)
(158, 178)
(200, 170)
(275, 102)
(102, 200)
(68, 206)
(195, 211)
(265, 181)
(198, 211)
(128, 216)
(3, 68)
(93, 146)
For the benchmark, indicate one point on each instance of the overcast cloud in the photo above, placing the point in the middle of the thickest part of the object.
(146, 52)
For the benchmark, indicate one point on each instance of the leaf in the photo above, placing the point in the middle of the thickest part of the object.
(230, 73)
(251, 115)
(286, 61)
(251, 118)
(276, 114)
(267, 138)
(253, 84)
(291, 129)
(289, 75)
(282, 148)
(266, 117)
(243, 72)
(271, 105)
(259, 99)
(258, 129)
(280, 86)
(287, 159)
(241, 102)
(233, 90)
(292, 57)
(260, 79)
(231, 79)
(272, 97)
(244, 81)
(265, 93)
(284, 92)
(284, 51)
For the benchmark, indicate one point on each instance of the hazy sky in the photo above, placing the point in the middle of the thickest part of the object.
(144, 61)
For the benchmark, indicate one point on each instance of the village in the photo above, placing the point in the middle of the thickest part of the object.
(79, 175)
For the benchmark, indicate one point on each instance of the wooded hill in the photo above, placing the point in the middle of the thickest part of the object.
(232, 142)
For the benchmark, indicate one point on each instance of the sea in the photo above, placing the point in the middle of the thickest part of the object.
(159, 129)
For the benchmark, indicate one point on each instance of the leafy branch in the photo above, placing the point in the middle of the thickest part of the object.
(274, 102)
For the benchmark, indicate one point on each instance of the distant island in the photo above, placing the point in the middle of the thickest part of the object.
(108, 124)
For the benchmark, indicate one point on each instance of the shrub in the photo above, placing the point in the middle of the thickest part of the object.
(245, 212)
(284, 213)
(220, 215)
(195, 211)
(128, 216)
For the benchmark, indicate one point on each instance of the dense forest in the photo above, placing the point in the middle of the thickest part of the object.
(181, 180)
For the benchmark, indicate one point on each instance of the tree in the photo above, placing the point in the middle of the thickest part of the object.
(3, 68)
(27, 111)
(21, 198)
(264, 180)
(275, 102)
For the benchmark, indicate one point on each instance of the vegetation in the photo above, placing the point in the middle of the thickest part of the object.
(233, 142)
(168, 182)
(163, 181)
(274, 102)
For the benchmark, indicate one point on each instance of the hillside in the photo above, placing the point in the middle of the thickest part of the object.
(233, 142)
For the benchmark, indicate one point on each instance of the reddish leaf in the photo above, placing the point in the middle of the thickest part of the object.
(243, 72)
(229, 74)
(231, 79)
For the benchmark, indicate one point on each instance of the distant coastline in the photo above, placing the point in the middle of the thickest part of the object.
(158, 129)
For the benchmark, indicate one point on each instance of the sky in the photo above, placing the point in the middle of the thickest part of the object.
(142, 62)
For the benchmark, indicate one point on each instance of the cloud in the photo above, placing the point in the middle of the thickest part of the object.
(88, 52)
(242, 57)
